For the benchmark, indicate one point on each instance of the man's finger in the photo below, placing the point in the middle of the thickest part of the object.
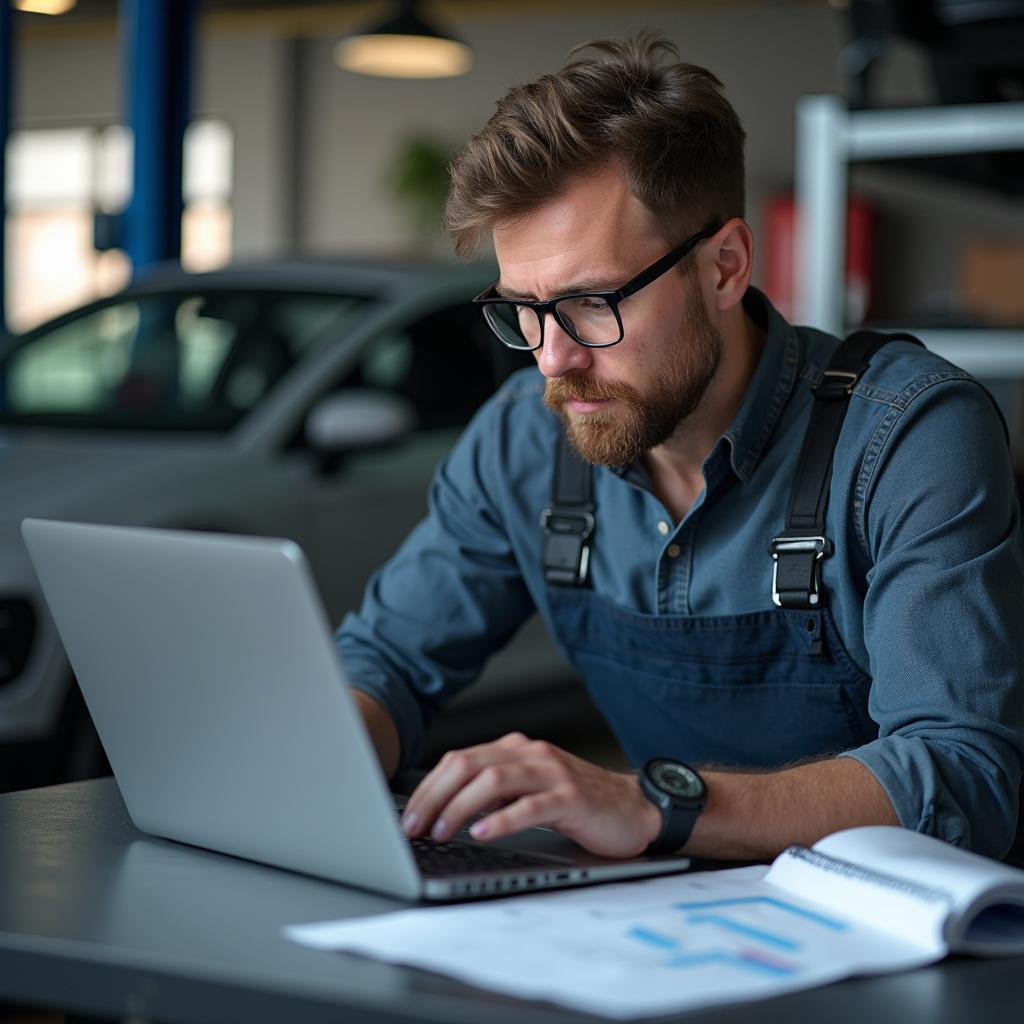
(452, 772)
(541, 808)
(504, 782)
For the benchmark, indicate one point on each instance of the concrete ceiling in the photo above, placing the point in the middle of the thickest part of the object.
(314, 17)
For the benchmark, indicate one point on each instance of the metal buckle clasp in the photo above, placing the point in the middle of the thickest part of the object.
(827, 386)
(808, 576)
(566, 551)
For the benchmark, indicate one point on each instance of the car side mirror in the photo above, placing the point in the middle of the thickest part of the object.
(357, 418)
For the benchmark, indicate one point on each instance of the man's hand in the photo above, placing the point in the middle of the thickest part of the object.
(518, 783)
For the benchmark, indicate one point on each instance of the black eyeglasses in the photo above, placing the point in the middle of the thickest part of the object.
(591, 318)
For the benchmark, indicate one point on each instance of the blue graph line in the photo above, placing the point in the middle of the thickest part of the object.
(653, 938)
(744, 960)
(731, 960)
(742, 929)
(810, 915)
(745, 964)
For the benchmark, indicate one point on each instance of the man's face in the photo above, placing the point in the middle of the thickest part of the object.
(616, 403)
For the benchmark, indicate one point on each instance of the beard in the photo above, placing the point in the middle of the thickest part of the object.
(641, 421)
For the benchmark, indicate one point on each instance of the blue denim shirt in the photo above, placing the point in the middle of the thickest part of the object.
(924, 584)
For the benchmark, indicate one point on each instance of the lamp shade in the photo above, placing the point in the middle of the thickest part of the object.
(404, 47)
(44, 6)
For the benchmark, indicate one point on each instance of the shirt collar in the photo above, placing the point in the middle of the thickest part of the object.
(769, 388)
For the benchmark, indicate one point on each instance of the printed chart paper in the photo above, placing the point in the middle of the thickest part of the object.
(632, 950)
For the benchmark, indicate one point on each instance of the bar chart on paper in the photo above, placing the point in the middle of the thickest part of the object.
(866, 900)
(632, 950)
(753, 934)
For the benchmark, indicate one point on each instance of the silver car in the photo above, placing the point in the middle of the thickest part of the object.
(310, 401)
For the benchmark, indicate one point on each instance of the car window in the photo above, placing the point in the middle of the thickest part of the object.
(168, 361)
(446, 364)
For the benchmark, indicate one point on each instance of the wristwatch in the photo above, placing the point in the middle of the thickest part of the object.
(679, 793)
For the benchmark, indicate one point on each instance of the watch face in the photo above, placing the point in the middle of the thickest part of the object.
(677, 780)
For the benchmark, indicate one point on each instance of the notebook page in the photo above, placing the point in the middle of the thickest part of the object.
(973, 882)
(904, 910)
(919, 858)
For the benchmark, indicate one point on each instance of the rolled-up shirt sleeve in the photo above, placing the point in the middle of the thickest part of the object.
(448, 599)
(942, 618)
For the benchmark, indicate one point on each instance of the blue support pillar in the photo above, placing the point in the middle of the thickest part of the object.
(6, 103)
(158, 46)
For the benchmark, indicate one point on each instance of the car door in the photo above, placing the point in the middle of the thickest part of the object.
(445, 364)
(360, 507)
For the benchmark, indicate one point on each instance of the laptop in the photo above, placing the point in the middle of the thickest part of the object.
(209, 668)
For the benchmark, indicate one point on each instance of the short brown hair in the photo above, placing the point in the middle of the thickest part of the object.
(669, 126)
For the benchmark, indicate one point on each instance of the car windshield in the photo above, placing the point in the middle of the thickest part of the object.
(168, 361)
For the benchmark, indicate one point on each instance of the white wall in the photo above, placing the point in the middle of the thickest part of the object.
(67, 81)
(767, 54)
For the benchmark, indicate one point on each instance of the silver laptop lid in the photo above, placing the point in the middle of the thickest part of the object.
(208, 667)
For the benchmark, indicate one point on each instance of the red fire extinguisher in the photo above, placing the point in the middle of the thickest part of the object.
(780, 265)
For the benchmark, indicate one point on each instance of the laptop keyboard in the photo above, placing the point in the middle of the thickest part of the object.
(463, 859)
(455, 858)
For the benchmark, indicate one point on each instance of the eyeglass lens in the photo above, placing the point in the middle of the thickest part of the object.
(589, 318)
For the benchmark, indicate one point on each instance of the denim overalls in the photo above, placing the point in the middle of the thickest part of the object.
(757, 690)
(760, 689)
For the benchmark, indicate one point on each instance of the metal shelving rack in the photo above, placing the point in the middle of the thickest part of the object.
(828, 138)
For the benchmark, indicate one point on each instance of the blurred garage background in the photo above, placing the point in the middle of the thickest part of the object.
(228, 303)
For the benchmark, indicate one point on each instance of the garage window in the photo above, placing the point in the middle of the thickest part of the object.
(59, 177)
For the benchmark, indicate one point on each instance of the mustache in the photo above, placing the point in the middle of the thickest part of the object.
(560, 390)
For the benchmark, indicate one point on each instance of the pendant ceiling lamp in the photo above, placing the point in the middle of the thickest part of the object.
(44, 6)
(405, 46)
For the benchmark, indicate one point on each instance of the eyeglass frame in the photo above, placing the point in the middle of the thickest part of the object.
(544, 306)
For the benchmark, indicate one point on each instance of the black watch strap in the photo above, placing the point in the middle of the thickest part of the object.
(676, 826)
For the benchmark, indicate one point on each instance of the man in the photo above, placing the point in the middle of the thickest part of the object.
(895, 699)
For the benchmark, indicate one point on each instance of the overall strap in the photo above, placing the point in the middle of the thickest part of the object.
(568, 523)
(797, 553)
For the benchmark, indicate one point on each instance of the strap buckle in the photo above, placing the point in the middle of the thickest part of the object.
(836, 384)
(796, 570)
(566, 546)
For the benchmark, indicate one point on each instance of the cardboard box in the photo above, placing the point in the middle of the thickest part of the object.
(992, 281)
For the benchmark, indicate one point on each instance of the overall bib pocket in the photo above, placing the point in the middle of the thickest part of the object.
(760, 689)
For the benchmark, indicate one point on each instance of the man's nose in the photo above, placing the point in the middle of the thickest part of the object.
(560, 351)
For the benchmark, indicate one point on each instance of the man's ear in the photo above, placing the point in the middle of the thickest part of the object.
(730, 252)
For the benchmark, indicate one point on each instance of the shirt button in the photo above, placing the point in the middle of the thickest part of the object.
(663, 528)
(673, 551)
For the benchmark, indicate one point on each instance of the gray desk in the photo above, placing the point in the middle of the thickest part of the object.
(96, 918)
